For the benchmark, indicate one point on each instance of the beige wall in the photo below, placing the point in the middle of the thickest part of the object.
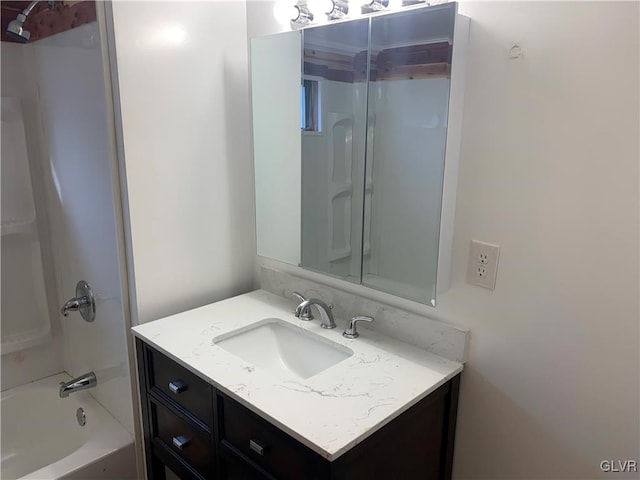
(549, 171)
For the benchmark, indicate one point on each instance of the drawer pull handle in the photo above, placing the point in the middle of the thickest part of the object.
(180, 442)
(177, 386)
(257, 447)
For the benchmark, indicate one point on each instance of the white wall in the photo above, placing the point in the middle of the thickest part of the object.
(183, 83)
(81, 206)
(19, 81)
(549, 171)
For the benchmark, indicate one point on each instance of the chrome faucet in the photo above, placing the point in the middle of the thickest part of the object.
(351, 330)
(73, 305)
(88, 380)
(303, 310)
(83, 302)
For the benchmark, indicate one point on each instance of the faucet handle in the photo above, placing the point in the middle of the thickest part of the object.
(303, 313)
(83, 302)
(351, 330)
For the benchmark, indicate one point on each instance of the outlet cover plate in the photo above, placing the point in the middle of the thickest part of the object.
(483, 264)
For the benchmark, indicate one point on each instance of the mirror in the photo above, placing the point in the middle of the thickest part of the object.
(356, 130)
(408, 106)
(334, 115)
(275, 87)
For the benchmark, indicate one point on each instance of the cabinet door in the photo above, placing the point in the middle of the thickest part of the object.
(234, 467)
(334, 115)
(261, 444)
(275, 93)
(408, 105)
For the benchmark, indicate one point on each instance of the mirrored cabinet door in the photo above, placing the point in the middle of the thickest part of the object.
(408, 111)
(275, 87)
(334, 103)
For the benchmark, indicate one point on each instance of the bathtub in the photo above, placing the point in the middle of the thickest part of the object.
(42, 439)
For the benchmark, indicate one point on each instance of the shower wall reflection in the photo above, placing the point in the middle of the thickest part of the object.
(334, 103)
(408, 114)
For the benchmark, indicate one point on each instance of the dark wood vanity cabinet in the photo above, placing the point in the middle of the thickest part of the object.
(201, 433)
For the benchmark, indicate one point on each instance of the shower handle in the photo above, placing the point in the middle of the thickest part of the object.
(83, 302)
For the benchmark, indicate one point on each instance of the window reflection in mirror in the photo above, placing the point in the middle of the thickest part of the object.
(333, 144)
(310, 108)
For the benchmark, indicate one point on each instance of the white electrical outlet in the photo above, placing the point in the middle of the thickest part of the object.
(483, 264)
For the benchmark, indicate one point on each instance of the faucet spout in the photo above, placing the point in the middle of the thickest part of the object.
(325, 311)
(88, 380)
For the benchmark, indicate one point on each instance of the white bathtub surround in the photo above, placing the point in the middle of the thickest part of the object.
(31, 331)
(329, 412)
(444, 339)
(26, 321)
(41, 437)
(82, 199)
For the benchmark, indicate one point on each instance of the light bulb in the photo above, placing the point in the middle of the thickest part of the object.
(354, 7)
(285, 12)
(320, 8)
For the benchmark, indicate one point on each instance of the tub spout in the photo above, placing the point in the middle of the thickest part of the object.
(88, 380)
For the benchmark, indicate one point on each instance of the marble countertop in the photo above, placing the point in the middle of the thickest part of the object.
(329, 412)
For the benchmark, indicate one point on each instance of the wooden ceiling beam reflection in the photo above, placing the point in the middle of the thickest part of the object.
(43, 22)
(400, 63)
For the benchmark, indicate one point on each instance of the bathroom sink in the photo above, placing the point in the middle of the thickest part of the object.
(283, 349)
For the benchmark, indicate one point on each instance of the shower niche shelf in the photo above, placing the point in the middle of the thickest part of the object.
(25, 318)
(19, 227)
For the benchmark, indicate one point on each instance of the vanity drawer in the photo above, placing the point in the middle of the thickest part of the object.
(181, 386)
(183, 439)
(233, 467)
(268, 447)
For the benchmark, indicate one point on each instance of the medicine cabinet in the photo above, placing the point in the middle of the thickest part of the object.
(356, 131)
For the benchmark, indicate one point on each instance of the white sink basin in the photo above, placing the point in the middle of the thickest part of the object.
(283, 349)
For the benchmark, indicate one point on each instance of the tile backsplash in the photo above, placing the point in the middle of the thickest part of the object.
(444, 339)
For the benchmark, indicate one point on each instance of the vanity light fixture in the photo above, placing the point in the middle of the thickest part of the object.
(284, 12)
(369, 6)
(303, 17)
(329, 9)
(320, 9)
(307, 12)
(333, 9)
(294, 15)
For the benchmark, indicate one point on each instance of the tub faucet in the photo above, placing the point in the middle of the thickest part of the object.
(88, 380)
(303, 311)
